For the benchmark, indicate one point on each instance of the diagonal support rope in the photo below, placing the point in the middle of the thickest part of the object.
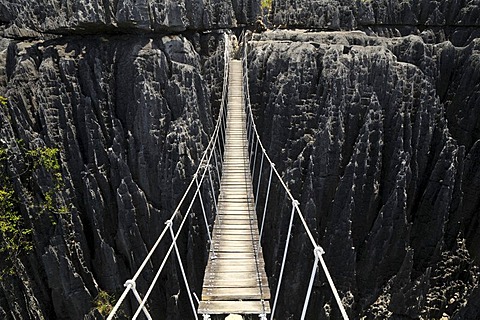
(204, 213)
(205, 162)
(182, 269)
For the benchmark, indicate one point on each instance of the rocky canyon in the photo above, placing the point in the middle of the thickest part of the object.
(370, 110)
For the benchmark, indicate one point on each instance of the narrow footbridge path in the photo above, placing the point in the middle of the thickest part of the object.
(235, 280)
(230, 194)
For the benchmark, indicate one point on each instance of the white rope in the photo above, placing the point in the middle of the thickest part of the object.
(266, 203)
(259, 180)
(182, 269)
(213, 189)
(254, 159)
(204, 214)
(207, 154)
(282, 268)
(282, 183)
(128, 283)
(216, 164)
(334, 289)
(137, 296)
(167, 255)
(312, 279)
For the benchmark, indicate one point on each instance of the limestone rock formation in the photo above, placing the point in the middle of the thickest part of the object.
(28, 18)
(451, 19)
(131, 116)
(369, 129)
(375, 128)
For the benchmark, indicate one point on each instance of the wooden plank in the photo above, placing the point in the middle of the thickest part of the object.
(236, 219)
(234, 275)
(231, 283)
(238, 222)
(237, 307)
(234, 244)
(234, 293)
(237, 268)
(234, 255)
(232, 249)
(238, 280)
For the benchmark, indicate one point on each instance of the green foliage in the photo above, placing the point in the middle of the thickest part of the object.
(3, 101)
(15, 236)
(104, 303)
(15, 232)
(266, 4)
(45, 157)
(11, 223)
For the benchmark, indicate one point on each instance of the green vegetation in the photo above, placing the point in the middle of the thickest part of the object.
(20, 195)
(15, 236)
(104, 303)
(266, 4)
(3, 101)
(47, 158)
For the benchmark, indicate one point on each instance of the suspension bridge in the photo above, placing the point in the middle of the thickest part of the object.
(235, 280)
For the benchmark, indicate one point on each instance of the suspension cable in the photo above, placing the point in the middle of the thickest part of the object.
(204, 162)
(255, 135)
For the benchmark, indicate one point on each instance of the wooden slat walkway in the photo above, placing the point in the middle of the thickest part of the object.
(235, 281)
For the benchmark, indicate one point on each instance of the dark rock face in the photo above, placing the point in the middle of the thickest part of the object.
(131, 116)
(451, 19)
(377, 136)
(28, 18)
(377, 139)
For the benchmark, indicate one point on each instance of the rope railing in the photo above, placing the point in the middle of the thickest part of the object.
(210, 165)
(256, 147)
(211, 158)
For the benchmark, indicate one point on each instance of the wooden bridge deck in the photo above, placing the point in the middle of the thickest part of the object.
(235, 279)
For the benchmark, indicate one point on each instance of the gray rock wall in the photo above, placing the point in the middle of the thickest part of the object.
(451, 19)
(27, 18)
(131, 116)
(376, 133)
(366, 132)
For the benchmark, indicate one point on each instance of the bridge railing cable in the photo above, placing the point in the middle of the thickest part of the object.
(211, 160)
(258, 154)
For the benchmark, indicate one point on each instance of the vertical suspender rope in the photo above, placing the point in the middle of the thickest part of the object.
(266, 202)
(130, 283)
(249, 136)
(139, 299)
(254, 154)
(255, 159)
(282, 268)
(259, 179)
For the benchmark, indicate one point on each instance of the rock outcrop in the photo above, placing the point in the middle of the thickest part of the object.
(366, 132)
(376, 131)
(131, 116)
(451, 19)
(30, 19)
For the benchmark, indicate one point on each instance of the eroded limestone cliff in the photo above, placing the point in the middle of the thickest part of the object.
(374, 141)
(377, 133)
(131, 116)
